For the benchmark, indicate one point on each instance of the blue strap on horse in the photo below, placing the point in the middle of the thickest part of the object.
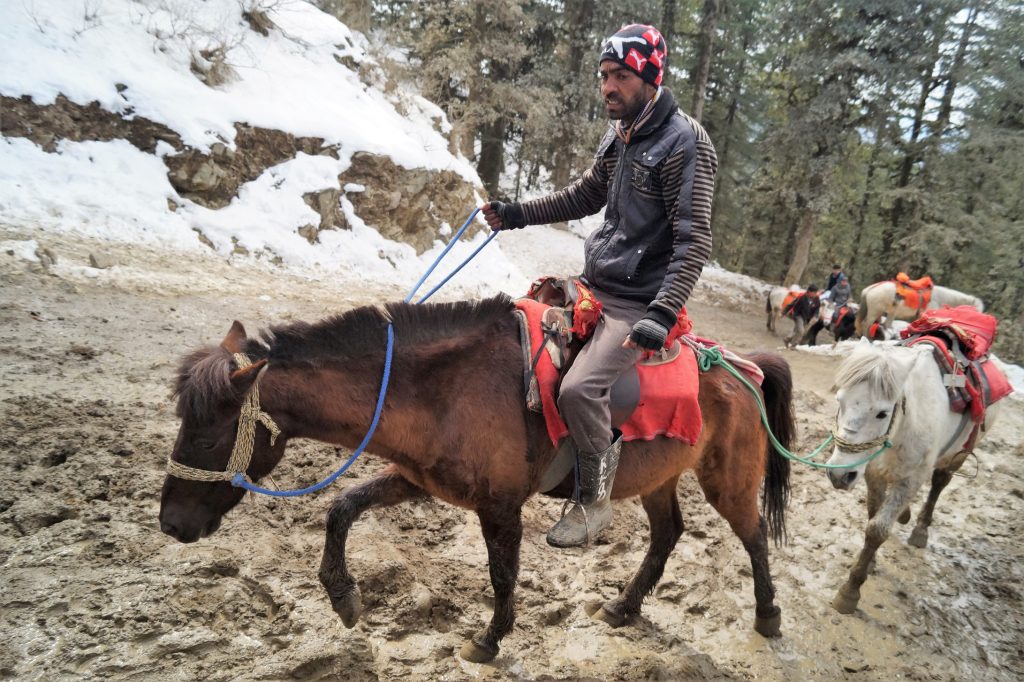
(239, 480)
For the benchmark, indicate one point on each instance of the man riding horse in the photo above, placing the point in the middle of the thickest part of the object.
(654, 173)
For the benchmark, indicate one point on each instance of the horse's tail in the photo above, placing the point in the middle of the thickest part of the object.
(768, 302)
(862, 313)
(778, 401)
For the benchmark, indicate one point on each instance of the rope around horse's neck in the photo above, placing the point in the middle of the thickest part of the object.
(245, 438)
(240, 480)
(707, 357)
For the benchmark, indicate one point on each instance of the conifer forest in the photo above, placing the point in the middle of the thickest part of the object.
(884, 135)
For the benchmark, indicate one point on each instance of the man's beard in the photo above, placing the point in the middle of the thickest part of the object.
(630, 112)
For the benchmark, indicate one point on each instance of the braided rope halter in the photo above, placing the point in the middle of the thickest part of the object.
(245, 439)
(881, 441)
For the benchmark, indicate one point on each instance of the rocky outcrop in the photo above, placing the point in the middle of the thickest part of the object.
(65, 120)
(406, 204)
(403, 204)
(212, 179)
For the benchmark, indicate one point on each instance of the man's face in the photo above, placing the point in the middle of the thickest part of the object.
(623, 91)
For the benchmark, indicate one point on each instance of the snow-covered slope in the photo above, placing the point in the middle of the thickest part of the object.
(149, 59)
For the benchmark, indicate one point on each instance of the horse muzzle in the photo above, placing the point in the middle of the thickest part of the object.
(185, 530)
(843, 479)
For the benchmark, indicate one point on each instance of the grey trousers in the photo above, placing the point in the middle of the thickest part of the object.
(584, 396)
(798, 331)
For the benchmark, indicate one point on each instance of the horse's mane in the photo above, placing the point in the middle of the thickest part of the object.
(204, 375)
(204, 380)
(874, 365)
(362, 331)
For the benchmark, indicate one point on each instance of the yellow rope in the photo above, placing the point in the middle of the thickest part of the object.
(245, 439)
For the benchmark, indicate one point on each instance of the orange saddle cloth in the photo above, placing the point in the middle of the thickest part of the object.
(668, 391)
(916, 293)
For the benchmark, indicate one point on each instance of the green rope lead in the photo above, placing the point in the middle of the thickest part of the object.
(707, 357)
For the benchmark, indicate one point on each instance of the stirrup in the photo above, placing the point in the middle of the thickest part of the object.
(586, 519)
(579, 526)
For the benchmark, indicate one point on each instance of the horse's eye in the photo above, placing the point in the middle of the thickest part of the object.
(882, 415)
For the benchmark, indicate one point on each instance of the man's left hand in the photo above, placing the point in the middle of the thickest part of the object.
(648, 334)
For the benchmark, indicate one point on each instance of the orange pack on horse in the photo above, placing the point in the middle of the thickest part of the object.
(905, 299)
(455, 425)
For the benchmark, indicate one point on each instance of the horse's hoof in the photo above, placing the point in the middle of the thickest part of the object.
(844, 603)
(918, 538)
(475, 652)
(606, 615)
(770, 626)
(905, 516)
(349, 607)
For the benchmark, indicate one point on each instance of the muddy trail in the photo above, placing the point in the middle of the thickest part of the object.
(93, 589)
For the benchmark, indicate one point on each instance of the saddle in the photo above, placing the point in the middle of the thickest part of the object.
(656, 397)
(960, 338)
(915, 293)
(790, 299)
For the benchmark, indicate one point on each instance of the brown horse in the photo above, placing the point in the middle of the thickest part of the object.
(454, 426)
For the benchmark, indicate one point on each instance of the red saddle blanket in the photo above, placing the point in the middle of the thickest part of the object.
(974, 331)
(962, 337)
(668, 391)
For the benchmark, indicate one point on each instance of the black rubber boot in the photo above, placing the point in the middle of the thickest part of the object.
(593, 511)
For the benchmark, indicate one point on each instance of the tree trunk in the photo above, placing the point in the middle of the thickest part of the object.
(938, 128)
(578, 18)
(491, 162)
(880, 112)
(668, 30)
(723, 143)
(802, 246)
(912, 153)
(705, 48)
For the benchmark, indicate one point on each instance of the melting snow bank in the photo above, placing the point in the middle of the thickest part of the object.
(152, 60)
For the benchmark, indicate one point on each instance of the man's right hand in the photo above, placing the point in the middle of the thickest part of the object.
(502, 216)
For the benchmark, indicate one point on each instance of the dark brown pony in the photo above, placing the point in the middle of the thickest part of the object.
(454, 426)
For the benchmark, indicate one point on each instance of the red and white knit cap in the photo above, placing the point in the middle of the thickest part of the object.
(640, 48)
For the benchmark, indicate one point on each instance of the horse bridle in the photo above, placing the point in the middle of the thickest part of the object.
(245, 438)
(882, 440)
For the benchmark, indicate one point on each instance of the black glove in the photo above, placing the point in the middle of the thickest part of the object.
(649, 333)
(512, 217)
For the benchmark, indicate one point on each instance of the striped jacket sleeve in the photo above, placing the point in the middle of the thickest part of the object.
(584, 197)
(688, 186)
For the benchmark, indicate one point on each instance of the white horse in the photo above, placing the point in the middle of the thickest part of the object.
(879, 303)
(894, 394)
(773, 306)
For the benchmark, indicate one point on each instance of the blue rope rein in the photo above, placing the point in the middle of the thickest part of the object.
(239, 480)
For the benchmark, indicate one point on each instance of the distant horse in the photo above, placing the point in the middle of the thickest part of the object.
(776, 299)
(879, 303)
(895, 393)
(455, 426)
(841, 328)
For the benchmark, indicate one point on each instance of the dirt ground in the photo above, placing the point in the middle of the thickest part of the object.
(92, 589)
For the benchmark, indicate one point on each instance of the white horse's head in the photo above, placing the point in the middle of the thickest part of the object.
(869, 388)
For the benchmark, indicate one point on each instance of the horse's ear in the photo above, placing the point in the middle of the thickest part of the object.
(243, 377)
(234, 342)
